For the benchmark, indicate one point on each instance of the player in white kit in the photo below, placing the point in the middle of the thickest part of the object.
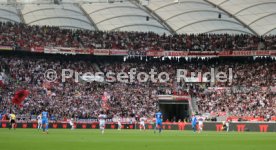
(119, 124)
(102, 118)
(71, 122)
(142, 123)
(200, 124)
(227, 124)
(39, 122)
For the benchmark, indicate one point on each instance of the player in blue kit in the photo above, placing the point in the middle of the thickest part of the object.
(45, 121)
(194, 122)
(158, 121)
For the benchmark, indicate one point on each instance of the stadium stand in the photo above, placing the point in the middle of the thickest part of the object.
(22, 36)
(248, 95)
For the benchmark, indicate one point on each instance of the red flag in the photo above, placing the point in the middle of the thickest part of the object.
(19, 97)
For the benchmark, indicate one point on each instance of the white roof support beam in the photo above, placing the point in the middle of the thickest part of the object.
(236, 18)
(88, 17)
(154, 15)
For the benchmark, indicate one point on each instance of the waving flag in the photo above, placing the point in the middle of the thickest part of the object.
(19, 97)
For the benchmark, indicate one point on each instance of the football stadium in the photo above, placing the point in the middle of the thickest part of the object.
(137, 74)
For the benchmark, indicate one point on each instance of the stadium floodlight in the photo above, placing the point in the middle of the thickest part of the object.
(219, 15)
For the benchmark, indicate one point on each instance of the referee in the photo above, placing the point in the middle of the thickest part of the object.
(12, 121)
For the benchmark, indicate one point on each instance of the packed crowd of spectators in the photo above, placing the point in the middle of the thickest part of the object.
(242, 103)
(248, 94)
(70, 98)
(22, 36)
(247, 91)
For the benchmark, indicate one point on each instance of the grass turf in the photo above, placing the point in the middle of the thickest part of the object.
(90, 139)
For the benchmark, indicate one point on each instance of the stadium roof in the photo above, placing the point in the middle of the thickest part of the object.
(256, 17)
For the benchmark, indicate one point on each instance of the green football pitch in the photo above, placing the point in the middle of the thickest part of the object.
(91, 139)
